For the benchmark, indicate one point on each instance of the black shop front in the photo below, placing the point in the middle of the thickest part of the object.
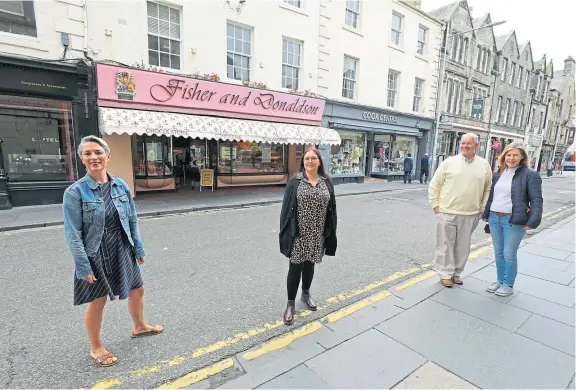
(45, 109)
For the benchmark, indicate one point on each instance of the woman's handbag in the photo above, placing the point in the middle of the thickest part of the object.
(487, 229)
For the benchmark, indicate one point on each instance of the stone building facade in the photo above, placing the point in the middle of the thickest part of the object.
(511, 98)
(563, 127)
(539, 103)
(467, 101)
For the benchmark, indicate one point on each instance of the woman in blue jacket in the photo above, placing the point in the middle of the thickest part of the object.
(101, 228)
(514, 206)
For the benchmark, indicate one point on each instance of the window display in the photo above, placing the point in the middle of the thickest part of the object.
(251, 157)
(348, 157)
(381, 156)
(400, 148)
(38, 145)
(152, 156)
(389, 154)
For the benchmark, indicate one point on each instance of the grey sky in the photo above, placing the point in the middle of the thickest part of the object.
(540, 23)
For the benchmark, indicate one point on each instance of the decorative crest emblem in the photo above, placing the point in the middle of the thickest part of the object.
(125, 85)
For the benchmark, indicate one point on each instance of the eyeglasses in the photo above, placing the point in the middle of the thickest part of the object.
(308, 159)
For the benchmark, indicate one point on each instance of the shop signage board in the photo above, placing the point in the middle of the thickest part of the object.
(43, 83)
(207, 178)
(477, 107)
(378, 117)
(140, 89)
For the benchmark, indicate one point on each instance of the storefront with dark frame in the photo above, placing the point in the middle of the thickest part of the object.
(46, 107)
(374, 142)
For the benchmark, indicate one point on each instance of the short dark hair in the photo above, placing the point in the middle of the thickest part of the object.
(409, 154)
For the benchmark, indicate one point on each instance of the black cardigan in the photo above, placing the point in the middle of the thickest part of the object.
(526, 197)
(289, 219)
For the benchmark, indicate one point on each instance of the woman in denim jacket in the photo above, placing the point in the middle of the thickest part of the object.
(101, 228)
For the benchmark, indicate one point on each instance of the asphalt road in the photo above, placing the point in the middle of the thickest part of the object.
(208, 276)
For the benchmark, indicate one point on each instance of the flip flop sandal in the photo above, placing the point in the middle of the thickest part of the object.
(101, 360)
(152, 332)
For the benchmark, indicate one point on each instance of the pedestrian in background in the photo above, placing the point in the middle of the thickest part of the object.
(550, 171)
(424, 168)
(408, 167)
(101, 228)
(458, 193)
(515, 205)
(308, 223)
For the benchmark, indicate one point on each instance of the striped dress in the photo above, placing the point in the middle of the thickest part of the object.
(114, 266)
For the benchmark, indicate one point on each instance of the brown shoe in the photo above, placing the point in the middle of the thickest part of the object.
(289, 313)
(457, 280)
(307, 299)
(447, 282)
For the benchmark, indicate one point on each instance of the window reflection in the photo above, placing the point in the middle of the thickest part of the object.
(38, 145)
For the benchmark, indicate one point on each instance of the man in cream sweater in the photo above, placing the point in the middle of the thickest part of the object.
(458, 194)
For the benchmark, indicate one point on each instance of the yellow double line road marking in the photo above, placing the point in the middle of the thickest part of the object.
(111, 382)
(478, 248)
(288, 338)
(200, 375)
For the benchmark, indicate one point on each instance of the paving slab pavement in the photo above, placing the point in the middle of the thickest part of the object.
(189, 201)
(421, 335)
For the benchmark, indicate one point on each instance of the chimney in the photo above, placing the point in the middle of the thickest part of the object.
(569, 66)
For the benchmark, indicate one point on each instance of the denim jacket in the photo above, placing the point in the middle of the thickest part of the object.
(84, 217)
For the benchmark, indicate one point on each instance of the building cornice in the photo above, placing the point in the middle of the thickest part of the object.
(419, 11)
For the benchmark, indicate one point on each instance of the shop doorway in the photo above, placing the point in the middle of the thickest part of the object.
(190, 156)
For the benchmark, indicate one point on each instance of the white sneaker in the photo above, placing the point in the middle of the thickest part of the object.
(493, 287)
(504, 291)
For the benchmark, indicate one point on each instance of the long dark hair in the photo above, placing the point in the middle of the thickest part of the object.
(321, 170)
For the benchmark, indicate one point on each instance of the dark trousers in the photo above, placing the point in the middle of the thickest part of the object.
(304, 270)
(422, 173)
(408, 176)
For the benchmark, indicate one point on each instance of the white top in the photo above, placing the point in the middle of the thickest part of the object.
(502, 200)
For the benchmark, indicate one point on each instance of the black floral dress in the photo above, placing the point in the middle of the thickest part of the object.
(312, 208)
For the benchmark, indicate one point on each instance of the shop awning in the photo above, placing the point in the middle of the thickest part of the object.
(126, 121)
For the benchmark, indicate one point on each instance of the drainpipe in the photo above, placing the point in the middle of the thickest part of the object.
(526, 131)
(488, 144)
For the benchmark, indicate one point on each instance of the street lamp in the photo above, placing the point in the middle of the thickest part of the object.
(441, 82)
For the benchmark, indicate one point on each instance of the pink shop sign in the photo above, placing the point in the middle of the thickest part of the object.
(126, 87)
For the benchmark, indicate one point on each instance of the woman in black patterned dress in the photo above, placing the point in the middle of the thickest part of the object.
(101, 228)
(308, 223)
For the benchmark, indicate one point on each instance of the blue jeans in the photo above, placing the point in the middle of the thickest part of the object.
(506, 239)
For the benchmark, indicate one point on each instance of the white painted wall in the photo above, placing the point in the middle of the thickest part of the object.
(117, 30)
(52, 18)
(370, 43)
(203, 32)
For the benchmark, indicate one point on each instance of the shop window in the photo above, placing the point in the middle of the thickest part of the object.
(152, 156)
(251, 157)
(348, 157)
(400, 148)
(37, 145)
(382, 154)
(18, 17)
